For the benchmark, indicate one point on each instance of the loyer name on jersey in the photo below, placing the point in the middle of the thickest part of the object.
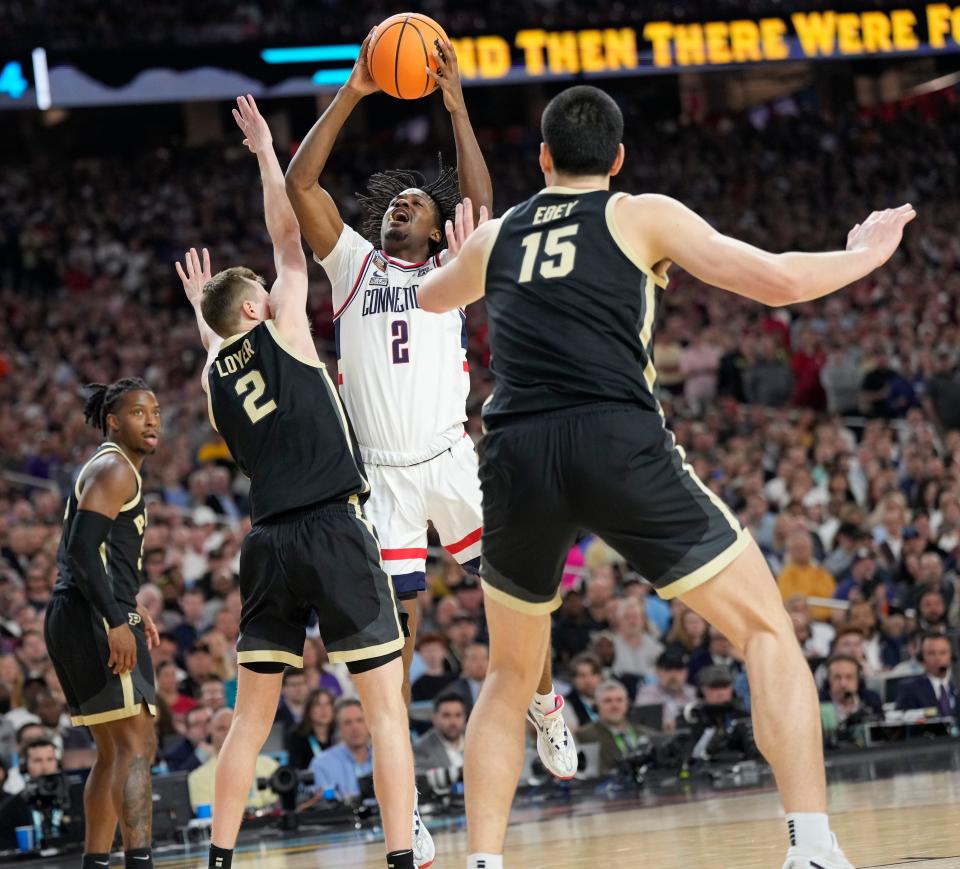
(235, 361)
(389, 300)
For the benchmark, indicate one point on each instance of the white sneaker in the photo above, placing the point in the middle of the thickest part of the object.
(809, 858)
(554, 741)
(424, 851)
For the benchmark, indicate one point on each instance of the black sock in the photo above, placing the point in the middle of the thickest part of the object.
(95, 861)
(400, 860)
(138, 858)
(220, 858)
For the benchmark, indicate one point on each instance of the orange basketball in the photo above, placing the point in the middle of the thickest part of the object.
(401, 50)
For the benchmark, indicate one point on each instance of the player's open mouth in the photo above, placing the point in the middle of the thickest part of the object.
(399, 215)
(151, 438)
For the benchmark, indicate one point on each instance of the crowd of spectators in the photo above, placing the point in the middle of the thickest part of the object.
(830, 428)
(86, 24)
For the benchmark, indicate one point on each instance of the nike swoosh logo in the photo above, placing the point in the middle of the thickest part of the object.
(102, 864)
(147, 858)
(816, 865)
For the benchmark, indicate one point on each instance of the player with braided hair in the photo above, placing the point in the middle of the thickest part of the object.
(403, 372)
(98, 638)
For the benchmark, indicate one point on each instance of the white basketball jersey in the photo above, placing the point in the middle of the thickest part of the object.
(403, 372)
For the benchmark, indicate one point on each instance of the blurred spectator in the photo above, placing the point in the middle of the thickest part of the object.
(213, 695)
(167, 688)
(341, 766)
(293, 697)
(671, 689)
(936, 688)
(475, 664)
(579, 706)
(316, 731)
(802, 575)
(689, 632)
(14, 813)
(32, 655)
(635, 648)
(194, 748)
(193, 622)
(432, 649)
(931, 611)
(718, 653)
(201, 781)
(442, 745)
(613, 731)
(572, 627)
(199, 666)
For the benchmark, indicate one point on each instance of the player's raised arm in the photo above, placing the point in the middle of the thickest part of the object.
(461, 280)
(660, 228)
(107, 486)
(288, 296)
(194, 276)
(316, 211)
(472, 171)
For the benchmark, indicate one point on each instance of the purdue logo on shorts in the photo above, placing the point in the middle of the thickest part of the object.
(133, 619)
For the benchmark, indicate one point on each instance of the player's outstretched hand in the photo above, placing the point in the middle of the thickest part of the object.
(194, 278)
(881, 232)
(462, 227)
(149, 628)
(123, 649)
(361, 80)
(447, 76)
(256, 132)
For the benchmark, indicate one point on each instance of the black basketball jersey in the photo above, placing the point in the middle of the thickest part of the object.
(571, 312)
(284, 424)
(122, 552)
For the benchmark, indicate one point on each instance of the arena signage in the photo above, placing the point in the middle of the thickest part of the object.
(168, 74)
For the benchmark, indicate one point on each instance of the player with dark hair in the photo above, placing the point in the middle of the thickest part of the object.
(577, 441)
(311, 547)
(99, 640)
(403, 373)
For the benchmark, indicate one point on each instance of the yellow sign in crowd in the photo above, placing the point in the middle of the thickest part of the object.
(803, 35)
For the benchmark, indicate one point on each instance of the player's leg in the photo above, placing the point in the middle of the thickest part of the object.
(527, 532)
(134, 742)
(685, 540)
(454, 505)
(98, 808)
(385, 712)
(257, 697)
(396, 511)
(341, 574)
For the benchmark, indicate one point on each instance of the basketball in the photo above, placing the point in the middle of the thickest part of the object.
(401, 51)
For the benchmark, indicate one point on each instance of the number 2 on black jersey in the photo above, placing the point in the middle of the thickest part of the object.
(253, 381)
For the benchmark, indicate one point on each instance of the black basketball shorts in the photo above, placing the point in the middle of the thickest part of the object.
(76, 638)
(610, 469)
(324, 559)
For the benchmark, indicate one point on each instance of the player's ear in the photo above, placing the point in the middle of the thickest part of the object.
(546, 159)
(436, 235)
(113, 422)
(618, 161)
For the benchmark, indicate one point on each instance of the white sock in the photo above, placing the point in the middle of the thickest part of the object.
(485, 861)
(545, 703)
(809, 830)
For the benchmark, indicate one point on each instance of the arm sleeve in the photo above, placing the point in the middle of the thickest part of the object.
(344, 262)
(90, 531)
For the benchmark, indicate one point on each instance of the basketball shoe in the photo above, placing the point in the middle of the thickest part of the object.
(424, 851)
(814, 858)
(554, 741)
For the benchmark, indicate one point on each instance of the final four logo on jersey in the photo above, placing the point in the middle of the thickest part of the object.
(379, 263)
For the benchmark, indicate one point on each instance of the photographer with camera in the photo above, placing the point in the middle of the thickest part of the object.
(720, 726)
(44, 790)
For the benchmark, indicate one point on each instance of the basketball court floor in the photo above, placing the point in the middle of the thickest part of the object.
(907, 818)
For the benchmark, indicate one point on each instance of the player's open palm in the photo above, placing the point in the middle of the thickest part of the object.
(256, 133)
(194, 274)
(881, 232)
(462, 226)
